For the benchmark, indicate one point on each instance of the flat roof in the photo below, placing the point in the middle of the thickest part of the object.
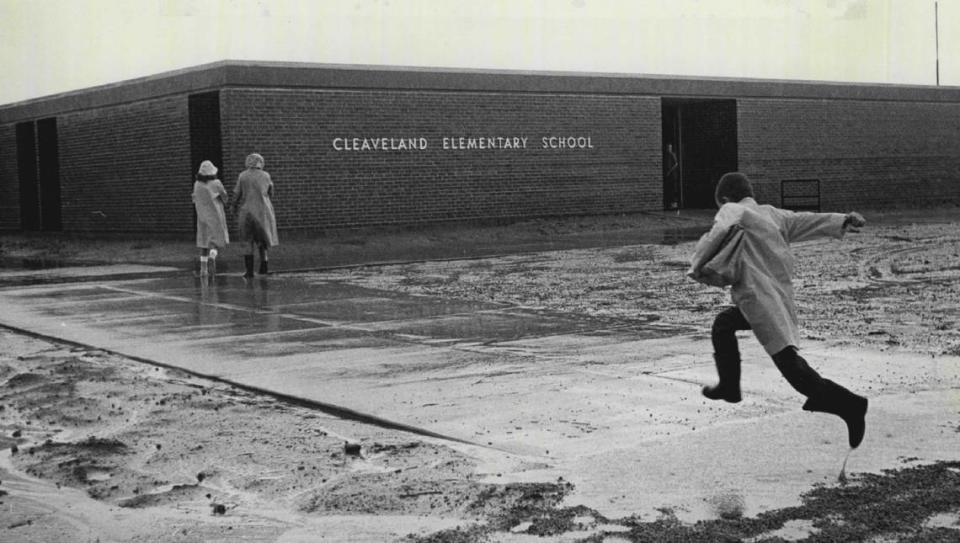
(252, 74)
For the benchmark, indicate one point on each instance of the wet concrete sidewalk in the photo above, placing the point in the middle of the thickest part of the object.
(52, 257)
(611, 405)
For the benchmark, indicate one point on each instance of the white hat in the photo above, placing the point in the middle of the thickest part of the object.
(207, 168)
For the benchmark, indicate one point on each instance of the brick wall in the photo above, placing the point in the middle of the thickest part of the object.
(868, 154)
(126, 168)
(9, 180)
(320, 187)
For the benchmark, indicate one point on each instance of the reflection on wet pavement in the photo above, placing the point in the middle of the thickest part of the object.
(180, 308)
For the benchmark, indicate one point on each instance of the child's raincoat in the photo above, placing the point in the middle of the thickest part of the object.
(211, 220)
(255, 216)
(762, 288)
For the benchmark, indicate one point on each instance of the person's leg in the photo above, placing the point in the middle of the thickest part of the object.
(203, 260)
(212, 259)
(823, 395)
(248, 260)
(726, 354)
(263, 258)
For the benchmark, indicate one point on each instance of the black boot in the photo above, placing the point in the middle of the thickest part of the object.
(263, 267)
(729, 387)
(248, 265)
(836, 400)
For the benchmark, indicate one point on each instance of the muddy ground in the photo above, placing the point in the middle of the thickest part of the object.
(101, 448)
(890, 285)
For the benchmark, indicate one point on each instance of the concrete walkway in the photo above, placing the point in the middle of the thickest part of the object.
(612, 406)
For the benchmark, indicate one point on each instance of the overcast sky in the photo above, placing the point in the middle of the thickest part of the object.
(53, 46)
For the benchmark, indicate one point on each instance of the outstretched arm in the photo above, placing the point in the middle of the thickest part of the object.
(805, 226)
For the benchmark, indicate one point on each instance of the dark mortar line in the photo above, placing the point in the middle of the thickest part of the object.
(330, 409)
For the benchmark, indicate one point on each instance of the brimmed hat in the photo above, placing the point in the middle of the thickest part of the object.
(207, 168)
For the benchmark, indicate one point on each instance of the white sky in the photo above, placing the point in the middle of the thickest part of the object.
(52, 46)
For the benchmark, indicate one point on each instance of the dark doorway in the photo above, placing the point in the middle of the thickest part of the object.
(702, 136)
(205, 141)
(48, 168)
(27, 174)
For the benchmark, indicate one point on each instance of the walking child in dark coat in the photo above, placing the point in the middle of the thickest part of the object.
(758, 265)
(255, 217)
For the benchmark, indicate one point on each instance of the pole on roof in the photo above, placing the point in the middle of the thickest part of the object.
(936, 34)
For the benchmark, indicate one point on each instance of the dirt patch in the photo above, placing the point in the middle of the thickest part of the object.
(160, 442)
(919, 503)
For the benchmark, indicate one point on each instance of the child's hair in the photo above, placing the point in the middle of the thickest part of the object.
(733, 186)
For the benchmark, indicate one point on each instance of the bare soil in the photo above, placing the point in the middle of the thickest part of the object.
(98, 447)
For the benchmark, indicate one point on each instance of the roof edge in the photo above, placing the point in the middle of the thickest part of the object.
(276, 74)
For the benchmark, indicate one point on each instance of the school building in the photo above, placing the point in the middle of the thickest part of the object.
(355, 146)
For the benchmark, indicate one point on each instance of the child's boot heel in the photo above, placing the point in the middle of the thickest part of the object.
(728, 368)
(855, 415)
(718, 392)
(850, 407)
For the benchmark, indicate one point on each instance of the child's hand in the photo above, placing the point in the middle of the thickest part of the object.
(854, 221)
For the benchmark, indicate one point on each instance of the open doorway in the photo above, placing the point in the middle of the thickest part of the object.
(38, 168)
(699, 145)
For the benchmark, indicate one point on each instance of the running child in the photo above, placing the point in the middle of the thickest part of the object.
(748, 248)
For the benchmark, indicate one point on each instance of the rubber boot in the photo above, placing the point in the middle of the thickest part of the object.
(248, 265)
(836, 400)
(263, 267)
(212, 262)
(728, 389)
(203, 266)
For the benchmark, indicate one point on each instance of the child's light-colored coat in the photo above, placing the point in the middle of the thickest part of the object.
(208, 200)
(764, 291)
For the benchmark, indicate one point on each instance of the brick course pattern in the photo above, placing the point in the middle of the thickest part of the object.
(126, 168)
(867, 154)
(319, 187)
(9, 179)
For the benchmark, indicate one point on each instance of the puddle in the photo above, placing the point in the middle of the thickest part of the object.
(97, 475)
(510, 325)
(792, 530)
(390, 308)
(183, 308)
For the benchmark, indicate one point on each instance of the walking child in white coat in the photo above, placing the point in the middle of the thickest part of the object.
(758, 265)
(209, 196)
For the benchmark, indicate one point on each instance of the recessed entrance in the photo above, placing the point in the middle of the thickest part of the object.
(48, 175)
(38, 168)
(699, 146)
(27, 172)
